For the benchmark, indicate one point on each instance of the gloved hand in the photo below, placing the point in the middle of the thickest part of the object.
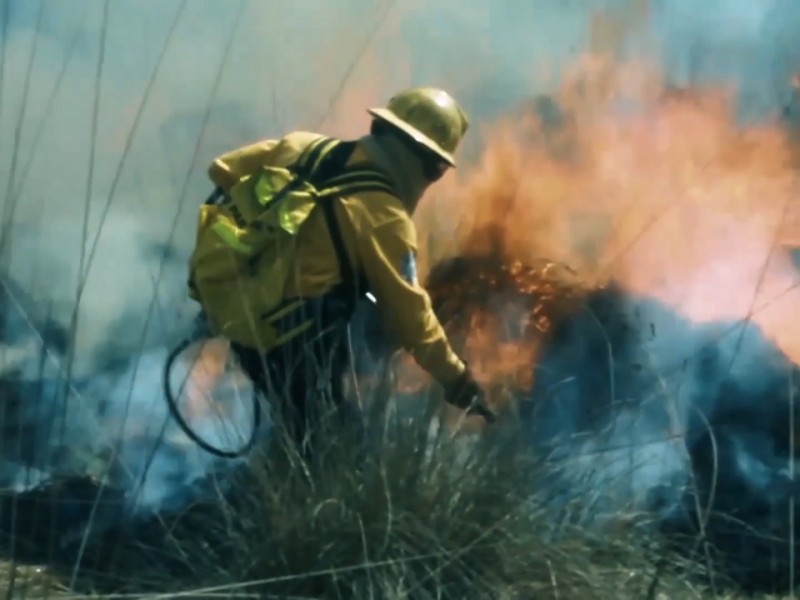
(466, 393)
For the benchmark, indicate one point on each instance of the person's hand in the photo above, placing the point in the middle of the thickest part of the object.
(467, 394)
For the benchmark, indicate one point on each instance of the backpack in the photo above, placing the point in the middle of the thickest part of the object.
(246, 244)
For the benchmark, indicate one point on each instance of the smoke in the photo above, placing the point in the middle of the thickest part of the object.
(114, 425)
(202, 101)
(664, 194)
(102, 202)
(676, 185)
(706, 448)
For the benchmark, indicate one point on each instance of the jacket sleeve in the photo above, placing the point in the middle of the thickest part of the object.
(388, 258)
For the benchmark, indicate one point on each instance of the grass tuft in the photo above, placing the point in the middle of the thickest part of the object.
(411, 512)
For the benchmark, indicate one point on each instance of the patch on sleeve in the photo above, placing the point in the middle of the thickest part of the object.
(409, 269)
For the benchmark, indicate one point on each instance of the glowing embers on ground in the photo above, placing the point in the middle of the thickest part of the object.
(497, 312)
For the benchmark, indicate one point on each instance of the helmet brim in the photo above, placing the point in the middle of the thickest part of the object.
(388, 116)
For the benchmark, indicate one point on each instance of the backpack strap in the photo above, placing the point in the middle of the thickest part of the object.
(313, 156)
(352, 181)
(320, 156)
(355, 181)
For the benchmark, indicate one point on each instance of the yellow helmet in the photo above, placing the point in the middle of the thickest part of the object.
(430, 116)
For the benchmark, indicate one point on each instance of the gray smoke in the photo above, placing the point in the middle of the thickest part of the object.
(113, 425)
(288, 65)
(640, 409)
(491, 57)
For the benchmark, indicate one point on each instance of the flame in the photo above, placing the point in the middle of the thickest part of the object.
(657, 189)
(498, 313)
(500, 310)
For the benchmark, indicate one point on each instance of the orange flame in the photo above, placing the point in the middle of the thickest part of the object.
(658, 189)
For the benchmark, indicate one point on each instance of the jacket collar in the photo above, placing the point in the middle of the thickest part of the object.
(401, 166)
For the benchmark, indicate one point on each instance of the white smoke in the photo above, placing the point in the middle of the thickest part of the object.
(283, 70)
(290, 65)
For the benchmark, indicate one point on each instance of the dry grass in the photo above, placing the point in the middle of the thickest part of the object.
(417, 516)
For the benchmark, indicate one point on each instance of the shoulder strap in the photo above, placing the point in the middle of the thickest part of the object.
(313, 156)
(352, 181)
(346, 181)
(345, 268)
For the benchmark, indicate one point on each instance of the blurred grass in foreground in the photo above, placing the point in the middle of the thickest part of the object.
(416, 515)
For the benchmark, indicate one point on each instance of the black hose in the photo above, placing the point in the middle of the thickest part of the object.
(173, 408)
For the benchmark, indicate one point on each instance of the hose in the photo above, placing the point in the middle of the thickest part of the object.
(176, 414)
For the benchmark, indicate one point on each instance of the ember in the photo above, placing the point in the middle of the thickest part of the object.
(463, 286)
(498, 311)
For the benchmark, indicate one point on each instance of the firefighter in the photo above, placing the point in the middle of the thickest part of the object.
(412, 142)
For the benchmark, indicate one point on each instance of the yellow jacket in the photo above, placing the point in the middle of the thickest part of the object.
(380, 239)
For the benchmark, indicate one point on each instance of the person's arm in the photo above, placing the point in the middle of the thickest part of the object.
(388, 257)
